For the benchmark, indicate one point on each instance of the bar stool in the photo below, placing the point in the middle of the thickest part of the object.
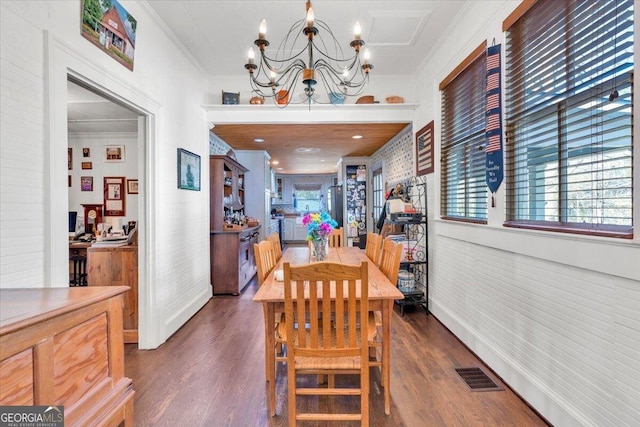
(79, 270)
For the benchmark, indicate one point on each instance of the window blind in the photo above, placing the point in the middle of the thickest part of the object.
(463, 189)
(569, 117)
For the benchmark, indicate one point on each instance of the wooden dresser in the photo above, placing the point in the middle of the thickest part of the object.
(117, 266)
(63, 346)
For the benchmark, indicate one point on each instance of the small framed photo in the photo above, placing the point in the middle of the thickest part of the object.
(69, 181)
(70, 158)
(114, 153)
(132, 186)
(86, 183)
(188, 170)
(86, 152)
(87, 165)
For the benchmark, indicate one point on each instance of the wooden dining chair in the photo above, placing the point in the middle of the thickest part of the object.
(336, 238)
(328, 344)
(372, 249)
(265, 262)
(390, 258)
(277, 247)
(265, 257)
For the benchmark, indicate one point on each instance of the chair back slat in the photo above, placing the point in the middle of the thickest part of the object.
(372, 250)
(336, 238)
(390, 259)
(277, 247)
(265, 259)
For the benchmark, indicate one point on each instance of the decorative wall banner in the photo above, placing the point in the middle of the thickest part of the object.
(493, 129)
(424, 150)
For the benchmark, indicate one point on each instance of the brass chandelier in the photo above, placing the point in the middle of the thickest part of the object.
(277, 77)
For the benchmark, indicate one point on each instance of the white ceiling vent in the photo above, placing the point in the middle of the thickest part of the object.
(396, 28)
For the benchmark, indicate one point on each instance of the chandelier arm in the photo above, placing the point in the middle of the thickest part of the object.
(298, 64)
(328, 74)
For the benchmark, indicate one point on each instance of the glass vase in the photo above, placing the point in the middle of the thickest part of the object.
(320, 248)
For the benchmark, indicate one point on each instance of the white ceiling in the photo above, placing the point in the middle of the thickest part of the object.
(90, 112)
(218, 33)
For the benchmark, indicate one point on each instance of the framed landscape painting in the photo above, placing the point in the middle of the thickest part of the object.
(109, 26)
(188, 170)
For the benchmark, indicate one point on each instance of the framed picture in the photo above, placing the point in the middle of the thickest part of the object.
(188, 170)
(86, 183)
(69, 181)
(114, 192)
(114, 153)
(132, 186)
(86, 152)
(424, 150)
(70, 158)
(111, 28)
(87, 165)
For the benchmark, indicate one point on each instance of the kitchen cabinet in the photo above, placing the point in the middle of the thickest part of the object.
(257, 184)
(289, 226)
(299, 231)
(283, 190)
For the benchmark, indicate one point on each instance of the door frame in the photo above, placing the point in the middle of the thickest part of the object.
(63, 62)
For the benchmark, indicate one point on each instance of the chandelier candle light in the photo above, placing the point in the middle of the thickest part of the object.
(319, 227)
(278, 76)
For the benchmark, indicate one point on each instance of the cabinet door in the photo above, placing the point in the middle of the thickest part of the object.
(289, 226)
(287, 190)
(300, 232)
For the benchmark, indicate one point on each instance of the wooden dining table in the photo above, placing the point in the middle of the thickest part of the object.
(382, 294)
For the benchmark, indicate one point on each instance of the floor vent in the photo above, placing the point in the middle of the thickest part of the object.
(477, 380)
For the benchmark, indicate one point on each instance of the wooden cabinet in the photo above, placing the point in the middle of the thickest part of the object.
(232, 260)
(231, 251)
(63, 346)
(117, 267)
(283, 190)
(289, 228)
(226, 180)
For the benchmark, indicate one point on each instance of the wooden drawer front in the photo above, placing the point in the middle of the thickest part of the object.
(16, 379)
(81, 359)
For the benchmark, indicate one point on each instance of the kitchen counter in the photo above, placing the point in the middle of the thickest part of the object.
(234, 231)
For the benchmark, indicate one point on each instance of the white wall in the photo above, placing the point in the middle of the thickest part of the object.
(556, 316)
(40, 45)
(99, 169)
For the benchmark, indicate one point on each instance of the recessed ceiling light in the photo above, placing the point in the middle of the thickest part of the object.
(279, 169)
(275, 162)
(307, 150)
(357, 137)
(258, 140)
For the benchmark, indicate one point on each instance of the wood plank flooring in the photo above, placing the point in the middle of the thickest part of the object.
(211, 373)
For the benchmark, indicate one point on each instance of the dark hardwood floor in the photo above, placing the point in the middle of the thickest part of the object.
(211, 373)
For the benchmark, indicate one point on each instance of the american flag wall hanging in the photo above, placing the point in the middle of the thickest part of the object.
(493, 146)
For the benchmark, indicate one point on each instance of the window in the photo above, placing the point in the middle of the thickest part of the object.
(569, 117)
(463, 191)
(309, 198)
(378, 196)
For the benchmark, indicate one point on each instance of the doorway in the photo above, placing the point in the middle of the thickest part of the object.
(105, 151)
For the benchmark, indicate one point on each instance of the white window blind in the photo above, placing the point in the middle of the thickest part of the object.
(569, 117)
(463, 191)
